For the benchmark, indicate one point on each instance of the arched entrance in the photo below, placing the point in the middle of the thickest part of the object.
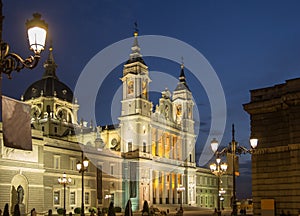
(19, 193)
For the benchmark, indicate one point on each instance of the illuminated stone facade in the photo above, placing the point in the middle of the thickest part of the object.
(275, 121)
(146, 157)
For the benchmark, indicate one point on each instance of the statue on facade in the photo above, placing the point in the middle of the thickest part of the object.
(20, 192)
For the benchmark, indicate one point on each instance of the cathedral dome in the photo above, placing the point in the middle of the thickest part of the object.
(49, 85)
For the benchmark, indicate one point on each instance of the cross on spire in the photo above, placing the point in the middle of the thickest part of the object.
(136, 30)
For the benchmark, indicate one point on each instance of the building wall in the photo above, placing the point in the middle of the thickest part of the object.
(207, 193)
(275, 120)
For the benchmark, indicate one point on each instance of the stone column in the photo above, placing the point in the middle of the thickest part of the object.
(171, 147)
(175, 149)
(156, 142)
(163, 187)
(176, 186)
(170, 188)
(157, 185)
(151, 191)
(163, 140)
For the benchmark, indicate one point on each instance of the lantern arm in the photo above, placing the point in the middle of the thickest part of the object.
(243, 150)
(10, 62)
(223, 152)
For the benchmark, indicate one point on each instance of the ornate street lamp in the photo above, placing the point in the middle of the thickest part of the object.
(82, 167)
(218, 169)
(180, 190)
(235, 149)
(64, 181)
(37, 32)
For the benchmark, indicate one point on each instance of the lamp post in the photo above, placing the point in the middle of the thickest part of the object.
(37, 31)
(218, 169)
(82, 167)
(180, 190)
(64, 181)
(235, 149)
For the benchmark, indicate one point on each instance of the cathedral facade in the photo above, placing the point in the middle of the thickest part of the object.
(147, 157)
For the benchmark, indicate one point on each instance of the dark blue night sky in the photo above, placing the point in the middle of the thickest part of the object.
(250, 44)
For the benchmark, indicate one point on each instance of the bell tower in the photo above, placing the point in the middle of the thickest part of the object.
(136, 107)
(135, 83)
(183, 115)
(135, 119)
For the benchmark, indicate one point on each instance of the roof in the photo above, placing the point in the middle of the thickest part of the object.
(182, 85)
(49, 85)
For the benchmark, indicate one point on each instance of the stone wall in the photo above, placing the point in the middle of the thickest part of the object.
(275, 121)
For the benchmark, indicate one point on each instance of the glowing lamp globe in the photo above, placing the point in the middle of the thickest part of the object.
(37, 33)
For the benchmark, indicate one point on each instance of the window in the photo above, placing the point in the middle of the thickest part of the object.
(72, 198)
(87, 198)
(73, 163)
(55, 129)
(144, 147)
(56, 197)
(129, 146)
(56, 162)
(111, 169)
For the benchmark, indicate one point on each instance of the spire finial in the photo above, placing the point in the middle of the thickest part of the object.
(135, 49)
(51, 46)
(136, 30)
(182, 62)
(233, 131)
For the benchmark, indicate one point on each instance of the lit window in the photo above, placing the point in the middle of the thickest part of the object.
(87, 198)
(56, 197)
(72, 198)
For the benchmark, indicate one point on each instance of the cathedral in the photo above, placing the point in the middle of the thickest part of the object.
(149, 156)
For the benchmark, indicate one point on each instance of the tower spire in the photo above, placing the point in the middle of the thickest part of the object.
(182, 81)
(135, 55)
(50, 65)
